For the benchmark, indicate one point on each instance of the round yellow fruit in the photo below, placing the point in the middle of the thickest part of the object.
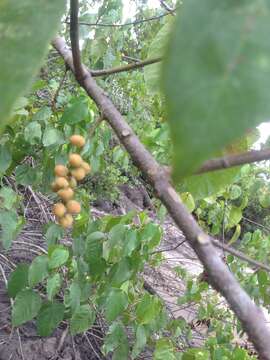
(66, 194)
(59, 210)
(61, 182)
(86, 167)
(77, 140)
(66, 221)
(73, 207)
(78, 173)
(54, 187)
(75, 160)
(72, 182)
(61, 170)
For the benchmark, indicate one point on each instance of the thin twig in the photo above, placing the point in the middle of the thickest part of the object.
(169, 249)
(240, 255)
(132, 23)
(20, 344)
(39, 204)
(229, 161)
(128, 67)
(95, 126)
(62, 341)
(257, 224)
(92, 347)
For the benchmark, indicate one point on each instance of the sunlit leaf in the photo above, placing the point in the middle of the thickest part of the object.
(216, 77)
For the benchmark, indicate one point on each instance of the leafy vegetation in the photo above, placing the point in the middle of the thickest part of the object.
(203, 101)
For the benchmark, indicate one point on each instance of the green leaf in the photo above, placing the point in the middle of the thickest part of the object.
(164, 350)
(140, 342)
(5, 155)
(116, 303)
(236, 235)
(8, 197)
(49, 317)
(10, 224)
(82, 319)
(120, 272)
(262, 277)
(132, 241)
(76, 112)
(52, 136)
(53, 233)
(215, 81)
(116, 338)
(196, 354)
(74, 296)
(264, 199)
(188, 200)
(58, 257)
(235, 192)
(25, 174)
(18, 280)
(38, 270)
(234, 217)
(26, 306)
(43, 114)
(93, 253)
(29, 26)
(53, 286)
(156, 49)
(148, 309)
(32, 132)
(205, 185)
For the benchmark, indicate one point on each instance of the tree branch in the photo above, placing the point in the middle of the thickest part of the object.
(240, 255)
(74, 37)
(132, 23)
(251, 317)
(229, 161)
(128, 67)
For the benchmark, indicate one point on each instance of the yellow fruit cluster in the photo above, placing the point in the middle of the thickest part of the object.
(65, 182)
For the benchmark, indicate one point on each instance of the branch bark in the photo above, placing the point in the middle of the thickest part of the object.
(74, 36)
(229, 161)
(251, 317)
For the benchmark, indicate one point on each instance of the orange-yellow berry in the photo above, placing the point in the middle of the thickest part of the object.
(73, 207)
(86, 167)
(78, 173)
(54, 186)
(75, 160)
(72, 182)
(77, 140)
(66, 194)
(61, 182)
(66, 221)
(59, 210)
(61, 170)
